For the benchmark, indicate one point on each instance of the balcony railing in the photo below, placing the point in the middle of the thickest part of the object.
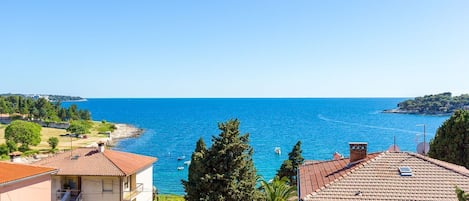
(130, 195)
(69, 195)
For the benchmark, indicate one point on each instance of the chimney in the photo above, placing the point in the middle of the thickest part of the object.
(101, 146)
(15, 157)
(357, 151)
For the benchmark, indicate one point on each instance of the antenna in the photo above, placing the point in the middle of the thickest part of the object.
(71, 146)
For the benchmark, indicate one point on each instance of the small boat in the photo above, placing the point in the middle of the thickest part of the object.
(181, 158)
(180, 168)
(187, 162)
(277, 150)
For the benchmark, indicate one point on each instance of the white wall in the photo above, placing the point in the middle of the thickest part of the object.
(145, 177)
(92, 188)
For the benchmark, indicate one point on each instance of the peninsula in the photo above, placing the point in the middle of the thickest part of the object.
(438, 104)
(49, 97)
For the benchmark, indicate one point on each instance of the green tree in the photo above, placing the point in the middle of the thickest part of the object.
(12, 147)
(26, 133)
(290, 166)
(79, 127)
(230, 174)
(278, 190)
(194, 186)
(451, 142)
(4, 150)
(53, 142)
(462, 196)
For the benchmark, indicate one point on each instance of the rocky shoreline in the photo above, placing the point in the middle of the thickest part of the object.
(416, 112)
(126, 131)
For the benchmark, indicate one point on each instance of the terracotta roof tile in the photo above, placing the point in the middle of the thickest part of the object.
(91, 162)
(127, 162)
(321, 173)
(379, 179)
(14, 171)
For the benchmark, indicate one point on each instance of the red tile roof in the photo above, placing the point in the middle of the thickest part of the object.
(379, 179)
(91, 162)
(315, 175)
(14, 171)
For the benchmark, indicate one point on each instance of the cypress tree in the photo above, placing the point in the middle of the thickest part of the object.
(193, 186)
(290, 166)
(227, 168)
(451, 142)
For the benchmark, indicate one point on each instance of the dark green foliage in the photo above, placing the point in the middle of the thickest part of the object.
(53, 142)
(194, 186)
(278, 190)
(41, 109)
(4, 150)
(228, 170)
(290, 166)
(79, 127)
(11, 146)
(435, 104)
(451, 142)
(23, 132)
(462, 195)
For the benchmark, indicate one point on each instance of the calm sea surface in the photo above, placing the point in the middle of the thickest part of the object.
(324, 125)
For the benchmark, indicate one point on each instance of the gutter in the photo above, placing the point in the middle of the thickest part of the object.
(30, 177)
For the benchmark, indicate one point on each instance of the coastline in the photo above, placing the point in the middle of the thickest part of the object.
(125, 131)
(415, 112)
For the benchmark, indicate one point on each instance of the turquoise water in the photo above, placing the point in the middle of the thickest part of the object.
(324, 125)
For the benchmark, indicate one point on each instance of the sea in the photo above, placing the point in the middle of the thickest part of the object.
(323, 125)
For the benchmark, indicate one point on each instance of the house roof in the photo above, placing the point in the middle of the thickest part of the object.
(11, 172)
(91, 162)
(314, 175)
(378, 178)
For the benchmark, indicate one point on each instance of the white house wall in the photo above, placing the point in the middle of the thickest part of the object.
(145, 177)
(92, 188)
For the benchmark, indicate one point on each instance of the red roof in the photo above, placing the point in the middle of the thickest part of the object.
(379, 178)
(316, 175)
(13, 171)
(91, 162)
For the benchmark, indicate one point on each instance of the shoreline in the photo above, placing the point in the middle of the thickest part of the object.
(414, 112)
(123, 131)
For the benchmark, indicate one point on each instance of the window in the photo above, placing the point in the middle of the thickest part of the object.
(107, 185)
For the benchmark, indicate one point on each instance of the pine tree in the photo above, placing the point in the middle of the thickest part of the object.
(193, 186)
(290, 166)
(451, 142)
(227, 168)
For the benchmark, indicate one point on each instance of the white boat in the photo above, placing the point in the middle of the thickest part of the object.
(277, 150)
(187, 162)
(181, 158)
(180, 168)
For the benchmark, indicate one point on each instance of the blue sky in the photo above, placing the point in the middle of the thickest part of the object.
(248, 48)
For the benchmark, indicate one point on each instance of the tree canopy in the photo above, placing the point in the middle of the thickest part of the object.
(451, 142)
(434, 104)
(228, 171)
(79, 127)
(194, 186)
(41, 109)
(23, 132)
(278, 189)
(290, 166)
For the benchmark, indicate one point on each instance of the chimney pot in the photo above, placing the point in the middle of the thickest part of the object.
(15, 157)
(357, 151)
(101, 146)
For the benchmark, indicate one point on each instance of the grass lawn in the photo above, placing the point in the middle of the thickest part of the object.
(170, 197)
(64, 142)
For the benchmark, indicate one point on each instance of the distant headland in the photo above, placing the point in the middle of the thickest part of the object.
(438, 104)
(49, 97)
